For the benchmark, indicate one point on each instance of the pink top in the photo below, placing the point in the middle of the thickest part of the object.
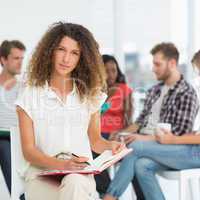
(113, 119)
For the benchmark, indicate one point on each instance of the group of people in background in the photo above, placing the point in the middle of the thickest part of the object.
(77, 101)
(172, 101)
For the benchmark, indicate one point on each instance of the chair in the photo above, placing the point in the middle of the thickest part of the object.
(17, 159)
(4, 194)
(183, 177)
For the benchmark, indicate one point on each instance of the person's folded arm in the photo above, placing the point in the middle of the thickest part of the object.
(170, 138)
(189, 138)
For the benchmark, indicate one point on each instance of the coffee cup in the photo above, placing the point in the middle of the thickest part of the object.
(124, 133)
(165, 126)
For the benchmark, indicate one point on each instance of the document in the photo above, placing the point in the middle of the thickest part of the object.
(102, 162)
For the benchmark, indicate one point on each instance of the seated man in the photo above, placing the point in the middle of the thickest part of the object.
(11, 57)
(171, 101)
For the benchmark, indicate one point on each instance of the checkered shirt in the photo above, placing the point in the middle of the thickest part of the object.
(179, 107)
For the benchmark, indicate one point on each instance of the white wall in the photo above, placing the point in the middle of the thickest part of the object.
(28, 20)
(143, 23)
(146, 22)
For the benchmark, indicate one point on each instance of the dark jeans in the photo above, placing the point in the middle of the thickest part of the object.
(103, 179)
(5, 159)
(138, 190)
(22, 197)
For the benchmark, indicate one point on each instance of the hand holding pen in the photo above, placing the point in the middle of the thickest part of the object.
(81, 157)
(73, 161)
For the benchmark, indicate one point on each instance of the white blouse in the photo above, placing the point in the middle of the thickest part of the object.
(58, 126)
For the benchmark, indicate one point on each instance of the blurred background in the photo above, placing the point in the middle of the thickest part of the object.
(128, 29)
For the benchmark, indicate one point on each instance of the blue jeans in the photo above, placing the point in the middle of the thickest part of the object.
(147, 158)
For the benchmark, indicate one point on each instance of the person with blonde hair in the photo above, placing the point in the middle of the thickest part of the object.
(59, 113)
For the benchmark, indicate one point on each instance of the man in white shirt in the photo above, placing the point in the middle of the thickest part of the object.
(11, 57)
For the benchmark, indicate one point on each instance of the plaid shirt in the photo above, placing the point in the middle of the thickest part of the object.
(179, 107)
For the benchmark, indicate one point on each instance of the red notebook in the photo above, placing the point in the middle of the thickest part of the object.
(102, 162)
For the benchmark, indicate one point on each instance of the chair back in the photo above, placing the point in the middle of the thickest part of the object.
(17, 160)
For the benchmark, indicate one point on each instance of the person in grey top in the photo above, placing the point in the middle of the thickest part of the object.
(11, 57)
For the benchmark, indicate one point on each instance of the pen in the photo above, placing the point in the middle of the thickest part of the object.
(79, 157)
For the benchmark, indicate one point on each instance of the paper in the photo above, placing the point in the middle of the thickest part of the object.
(103, 161)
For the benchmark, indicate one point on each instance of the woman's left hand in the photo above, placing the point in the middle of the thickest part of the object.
(116, 147)
(166, 138)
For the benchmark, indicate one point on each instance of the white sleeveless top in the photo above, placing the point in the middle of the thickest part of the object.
(59, 127)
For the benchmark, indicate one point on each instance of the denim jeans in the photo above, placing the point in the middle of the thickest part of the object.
(147, 158)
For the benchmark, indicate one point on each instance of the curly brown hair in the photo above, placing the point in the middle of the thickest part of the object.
(89, 75)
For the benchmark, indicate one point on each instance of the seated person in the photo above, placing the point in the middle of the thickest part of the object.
(116, 111)
(11, 57)
(171, 101)
(59, 113)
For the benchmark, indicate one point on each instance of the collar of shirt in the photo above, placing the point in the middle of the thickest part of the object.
(52, 95)
(179, 86)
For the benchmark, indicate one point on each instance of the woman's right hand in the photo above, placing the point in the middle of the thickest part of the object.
(75, 163)
(114, 136)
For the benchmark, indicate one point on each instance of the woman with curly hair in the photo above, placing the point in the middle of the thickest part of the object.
(59, 113)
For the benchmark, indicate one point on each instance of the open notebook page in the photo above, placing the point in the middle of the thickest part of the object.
(102, 162)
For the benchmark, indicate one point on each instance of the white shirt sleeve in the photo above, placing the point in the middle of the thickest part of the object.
(98, 102)
(25, 100)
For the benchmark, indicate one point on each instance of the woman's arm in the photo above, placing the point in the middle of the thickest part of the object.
(99, 144)
(169, 138)
(36, 157)
(128, 110)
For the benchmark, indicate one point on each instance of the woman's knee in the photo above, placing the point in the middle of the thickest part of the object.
(41, 188)
(78, 180)
(142, 148)
(137, 146)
